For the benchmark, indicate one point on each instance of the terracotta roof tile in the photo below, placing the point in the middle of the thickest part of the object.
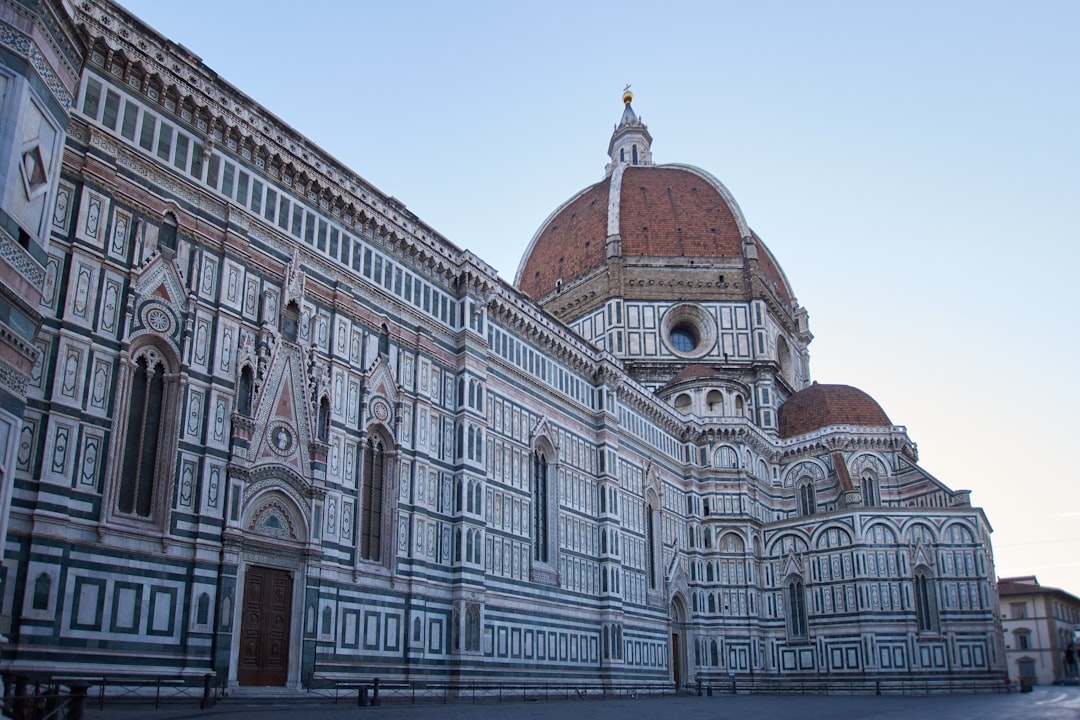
(819, 406)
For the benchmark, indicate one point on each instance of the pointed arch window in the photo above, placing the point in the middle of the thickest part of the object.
(807, 498)
(324, 419)
(925, 601)
(290, 321)
(651, 565)
(797, 621)
(472, 628)
(167, 235)
(384, 341)
(143, 438)
(202, 610)
(245, 390)
(540, 506)
(371, 511)
(42, 591)
(870, 490)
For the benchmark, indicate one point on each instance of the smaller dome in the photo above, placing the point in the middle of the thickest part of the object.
(819, 406)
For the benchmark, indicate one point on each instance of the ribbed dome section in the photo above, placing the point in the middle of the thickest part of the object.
(820, 406)
(673, 213)
(570, 244)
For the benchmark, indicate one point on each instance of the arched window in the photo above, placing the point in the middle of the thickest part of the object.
(807, 497)
(324, 419)
(714, 654)
(244, 391)
(167, 235)
(472, 629)
(682, 403)
(384, 341)
(143, 437)
(374, 483)
(726, 457)
(42, 590)
(202, 610)
(327, 619)
(417, 635)
(870, 491)
(925, 601)
(290, 321)
(740, 405)
(540, 505)
(797, 622)
(652, 568)
(714, 402)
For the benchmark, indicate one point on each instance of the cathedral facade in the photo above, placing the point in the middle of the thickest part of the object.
(264, 422)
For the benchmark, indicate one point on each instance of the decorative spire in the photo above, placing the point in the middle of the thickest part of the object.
(630, 142)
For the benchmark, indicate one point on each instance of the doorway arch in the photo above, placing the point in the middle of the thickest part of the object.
(270, 583)
(680, 641)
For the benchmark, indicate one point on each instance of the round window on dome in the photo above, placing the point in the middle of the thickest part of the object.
(688, 330)
(684, 338)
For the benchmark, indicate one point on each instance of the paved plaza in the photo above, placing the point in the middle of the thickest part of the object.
(1044, 703)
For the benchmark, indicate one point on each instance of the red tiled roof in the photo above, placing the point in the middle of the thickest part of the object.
(664, 212)
(819, 406)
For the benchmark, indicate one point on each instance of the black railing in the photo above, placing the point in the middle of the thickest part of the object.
(27, 699)
(373, 691)
(759, 685)
(53, 698)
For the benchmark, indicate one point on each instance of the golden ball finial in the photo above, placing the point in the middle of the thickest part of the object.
(627, 96)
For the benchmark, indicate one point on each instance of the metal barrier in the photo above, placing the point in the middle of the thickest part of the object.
(882, 685)
(57, 698)
(26, 699)
(373, 691)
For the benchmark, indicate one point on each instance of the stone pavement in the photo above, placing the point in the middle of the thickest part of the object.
(1044, 703)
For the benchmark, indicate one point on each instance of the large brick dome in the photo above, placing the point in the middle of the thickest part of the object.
(643, 225)
(820, 406)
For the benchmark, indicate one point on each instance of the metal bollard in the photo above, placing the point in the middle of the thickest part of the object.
(205, 692)
(21, 701)
(361, 695)
(77, 707)
(375, 692)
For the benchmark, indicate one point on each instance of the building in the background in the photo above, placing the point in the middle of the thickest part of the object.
(1039, 624)
(278, 428)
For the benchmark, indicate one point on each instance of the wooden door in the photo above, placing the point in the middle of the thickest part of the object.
(265, 627)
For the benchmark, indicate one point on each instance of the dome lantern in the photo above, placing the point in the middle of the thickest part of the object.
(631, 143)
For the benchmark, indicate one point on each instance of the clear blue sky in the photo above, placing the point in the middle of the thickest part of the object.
(913, 165)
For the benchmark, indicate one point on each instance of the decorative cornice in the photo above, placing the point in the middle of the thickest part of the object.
(21, 260)
(13, 380)
(183, 75)
(23, 45)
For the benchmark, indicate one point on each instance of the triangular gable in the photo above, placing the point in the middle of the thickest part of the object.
(160, 302)
(543, 429)
(283, 415)
(792, 566)
(920, 556)
(160, 279)
(381, 383)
